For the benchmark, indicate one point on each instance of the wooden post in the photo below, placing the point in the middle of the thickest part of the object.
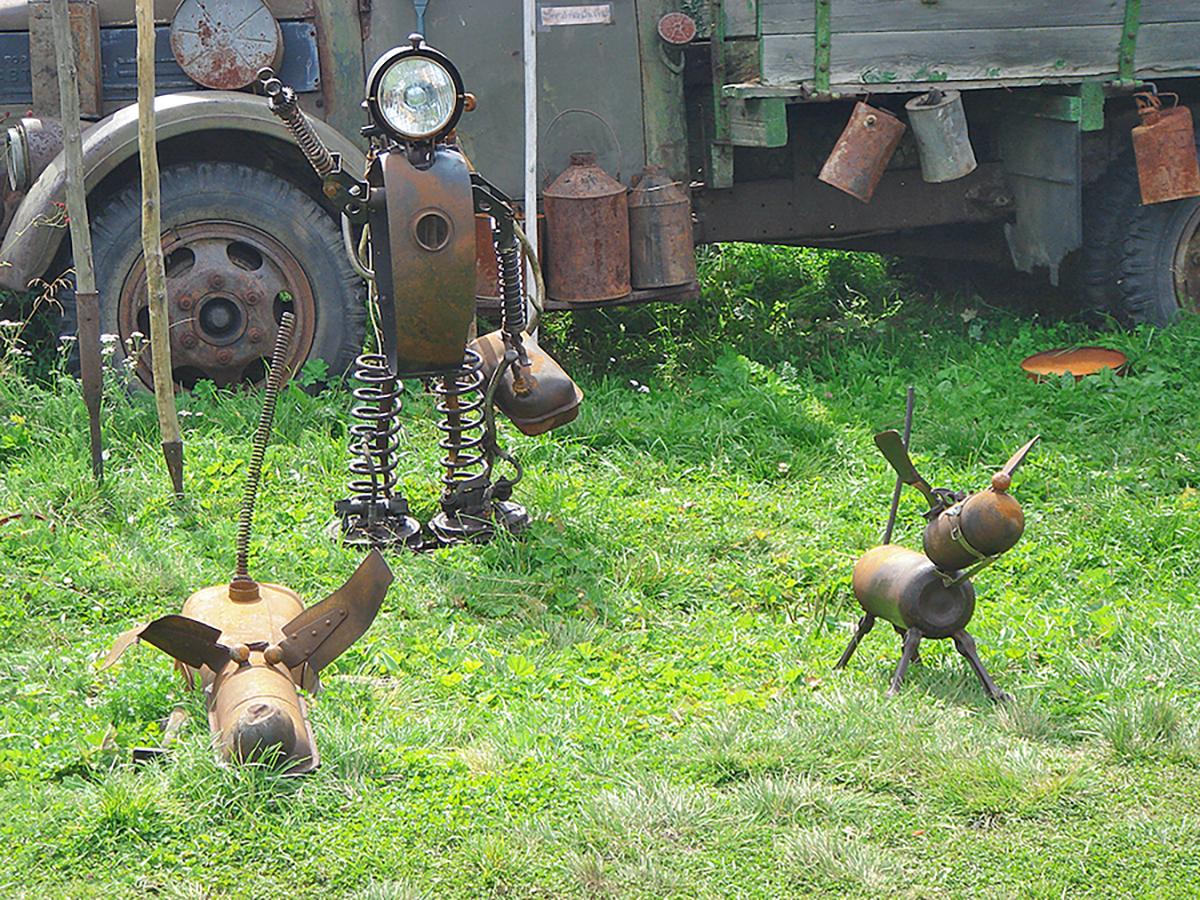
(156, 282)
(87, 302)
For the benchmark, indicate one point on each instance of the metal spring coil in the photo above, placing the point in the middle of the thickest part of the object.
(374, 438)
(285, 106)
(283, 342)
(508, 265)
(460, 404)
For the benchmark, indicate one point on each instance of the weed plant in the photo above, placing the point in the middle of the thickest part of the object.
(638, 698)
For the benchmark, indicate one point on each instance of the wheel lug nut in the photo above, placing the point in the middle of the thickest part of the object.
(188, 340)
(216, 282)
(253, 299)
(185, 303)
(255, 335)
(225, 356)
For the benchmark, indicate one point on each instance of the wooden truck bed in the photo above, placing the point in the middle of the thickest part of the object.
(905, 45)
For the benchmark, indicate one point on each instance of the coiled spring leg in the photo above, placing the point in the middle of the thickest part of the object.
(470, 506)
(374, 514)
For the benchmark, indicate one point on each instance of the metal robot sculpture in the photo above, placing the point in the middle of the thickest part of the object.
(930, 595)
(409, 230)
(254, 644)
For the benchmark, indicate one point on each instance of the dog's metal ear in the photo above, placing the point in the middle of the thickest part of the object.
(184, 639)
(321, 633)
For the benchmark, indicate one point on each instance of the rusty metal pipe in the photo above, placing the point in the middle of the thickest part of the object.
(904, 588)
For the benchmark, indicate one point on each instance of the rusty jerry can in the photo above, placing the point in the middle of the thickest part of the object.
(1164, 145)
(662, 251)
(939, 126)
(862, 152)
(587, 234)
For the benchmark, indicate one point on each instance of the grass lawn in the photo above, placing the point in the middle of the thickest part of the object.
(638, 699)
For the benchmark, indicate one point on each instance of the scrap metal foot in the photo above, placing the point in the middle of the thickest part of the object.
(479, 527)
(965, 645)
(916, 656)
(865, 624)
(912, 638)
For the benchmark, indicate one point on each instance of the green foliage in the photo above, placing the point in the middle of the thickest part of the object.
(638, 698)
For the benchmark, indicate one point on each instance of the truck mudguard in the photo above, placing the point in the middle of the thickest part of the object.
(36, 233)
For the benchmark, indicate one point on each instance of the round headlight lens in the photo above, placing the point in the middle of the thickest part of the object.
(417, 97)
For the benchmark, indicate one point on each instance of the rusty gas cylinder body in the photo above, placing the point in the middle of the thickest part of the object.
(903, 587)
(254, 709)
(662, 251)
(1164, 145)
(981, 527)
(587, 234)
(546, 396)
(863, 151)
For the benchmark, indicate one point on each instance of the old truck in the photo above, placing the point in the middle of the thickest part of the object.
(740, 101)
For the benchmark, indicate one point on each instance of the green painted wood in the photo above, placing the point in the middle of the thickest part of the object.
(1091, 99)
(821, 48)
(799, 17)
(718, 168)
(1012, 56)
(758, 122)
(1126, 57)
(664, 120)
(741, 18)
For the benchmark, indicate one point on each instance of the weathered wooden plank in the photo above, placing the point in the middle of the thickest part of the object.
(741, 18)
(758, 122)
(981, 55)
(797, 16)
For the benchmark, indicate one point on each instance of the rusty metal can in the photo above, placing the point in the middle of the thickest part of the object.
(544, 398)
(587, 234)
(903, 587)
(1164, 145)
(863, 151)
(981, 527)
(939, 126)
(662, 252)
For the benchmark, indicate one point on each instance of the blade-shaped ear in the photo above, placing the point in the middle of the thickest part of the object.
(891, 445)
(1014, 461)
(184, 639)
(322, 632)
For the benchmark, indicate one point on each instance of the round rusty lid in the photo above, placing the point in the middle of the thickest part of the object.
(677, 28)
(223, 45)
(1077, 361)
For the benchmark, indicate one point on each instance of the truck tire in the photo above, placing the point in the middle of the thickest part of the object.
(241, 245)
(1141, 263)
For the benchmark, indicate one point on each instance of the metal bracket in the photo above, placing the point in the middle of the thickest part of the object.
(1128, 46)
(821, 46)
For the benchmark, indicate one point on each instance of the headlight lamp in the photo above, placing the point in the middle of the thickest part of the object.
(415, 93)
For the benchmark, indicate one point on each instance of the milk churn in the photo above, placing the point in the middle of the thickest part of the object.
(939, 125)
(863, 151)
(587, 234)
(1164, 145)
(660, 232)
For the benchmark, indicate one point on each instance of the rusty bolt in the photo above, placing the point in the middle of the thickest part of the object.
(273, 655)
(185, 303)
(330, 190)
(188, 340)
(253, 298)
(239, 653)
(255, 335)
(224, 356)
(216, 282)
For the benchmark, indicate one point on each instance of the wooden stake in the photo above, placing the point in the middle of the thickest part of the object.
(87, 302)
(156, 282)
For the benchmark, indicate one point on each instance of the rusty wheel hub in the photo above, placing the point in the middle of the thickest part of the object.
(228, 284)
(1187, 264)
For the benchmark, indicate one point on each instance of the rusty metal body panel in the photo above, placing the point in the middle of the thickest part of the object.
(427, 294)
(662, 252)
(587, 234)
(31, 241)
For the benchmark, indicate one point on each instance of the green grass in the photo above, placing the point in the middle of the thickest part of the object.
(638, 699)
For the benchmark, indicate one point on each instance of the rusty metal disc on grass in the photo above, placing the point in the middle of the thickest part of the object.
(1077, 361)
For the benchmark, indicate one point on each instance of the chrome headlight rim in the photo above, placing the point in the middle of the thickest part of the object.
(381, 68)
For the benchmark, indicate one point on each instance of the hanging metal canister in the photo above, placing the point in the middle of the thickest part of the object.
(939, 125)
(587, 234)
(662, 252)
(863, 151)
(1164, 145)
